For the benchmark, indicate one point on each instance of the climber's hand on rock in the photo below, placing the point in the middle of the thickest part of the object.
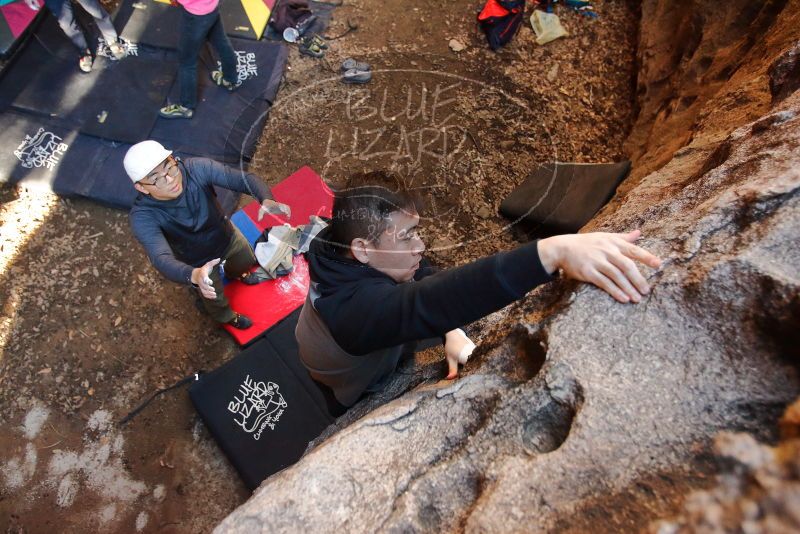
(604, 259)
(457, 349)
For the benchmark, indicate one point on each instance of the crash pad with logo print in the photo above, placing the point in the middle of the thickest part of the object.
(262, 406)
(43, 150)
(235, 119)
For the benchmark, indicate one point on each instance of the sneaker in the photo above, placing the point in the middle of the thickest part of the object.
(350, 64)
(175, 111)
(217, 77)
(241, 322)
(85, 62)
(357, 76)
(117, 50)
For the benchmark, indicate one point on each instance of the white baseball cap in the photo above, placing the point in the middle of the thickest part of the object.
(142, 158)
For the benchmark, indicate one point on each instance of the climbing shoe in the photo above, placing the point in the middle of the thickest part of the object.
(175, 111)
(217, 78)
(241, 322)
(250, 279)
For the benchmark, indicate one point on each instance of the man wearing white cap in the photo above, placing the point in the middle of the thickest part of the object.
(178, 220)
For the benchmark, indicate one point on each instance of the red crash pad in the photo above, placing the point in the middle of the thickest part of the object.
(270, 301)
(304, 191)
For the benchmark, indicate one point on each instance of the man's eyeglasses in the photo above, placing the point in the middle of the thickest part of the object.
(160, 179)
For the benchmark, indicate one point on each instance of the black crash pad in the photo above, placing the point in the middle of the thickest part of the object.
(124, 106)
(226, 126)
(117, 100)
(149, 22)
(259, 63)
(40, 149)
(227, 133)
(262, 407)
(563, 197)
(43, 150)
(157, 23)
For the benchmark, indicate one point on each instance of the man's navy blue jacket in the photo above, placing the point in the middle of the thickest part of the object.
(191, 230)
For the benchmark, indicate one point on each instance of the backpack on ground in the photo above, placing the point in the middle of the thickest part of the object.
(500, 20)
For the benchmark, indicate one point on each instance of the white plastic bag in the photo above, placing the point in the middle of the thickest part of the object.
(546, 26)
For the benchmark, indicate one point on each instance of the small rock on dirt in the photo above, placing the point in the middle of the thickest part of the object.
(456, 45)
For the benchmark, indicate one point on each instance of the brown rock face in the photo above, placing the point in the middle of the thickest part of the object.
(758, 490)
(616, 424)
(701, 72)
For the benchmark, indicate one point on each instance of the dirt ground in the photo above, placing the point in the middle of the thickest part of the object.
(89, 328)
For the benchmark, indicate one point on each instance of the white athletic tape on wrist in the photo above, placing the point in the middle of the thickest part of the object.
(466, 350)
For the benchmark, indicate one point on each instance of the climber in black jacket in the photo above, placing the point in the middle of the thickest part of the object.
(370, 300)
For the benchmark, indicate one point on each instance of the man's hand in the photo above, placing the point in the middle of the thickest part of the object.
(457, 349)
(603, 259)
(273, 208)
(200, 276)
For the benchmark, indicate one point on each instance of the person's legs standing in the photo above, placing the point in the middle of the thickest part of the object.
(222, 45)
(101, 18)
(194, 29)
(69, 24)
(66, 19)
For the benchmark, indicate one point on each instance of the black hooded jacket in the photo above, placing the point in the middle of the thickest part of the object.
(365, 310)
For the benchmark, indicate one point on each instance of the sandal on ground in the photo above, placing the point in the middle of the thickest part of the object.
(356, 76)
(241, 322)
(85, 62)
(350, 64)
(117, 49)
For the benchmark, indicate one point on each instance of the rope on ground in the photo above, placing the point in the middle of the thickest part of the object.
(143, 405)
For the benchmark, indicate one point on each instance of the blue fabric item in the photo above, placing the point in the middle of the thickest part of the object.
(190, 230)
(69, 23)
(248, 228)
